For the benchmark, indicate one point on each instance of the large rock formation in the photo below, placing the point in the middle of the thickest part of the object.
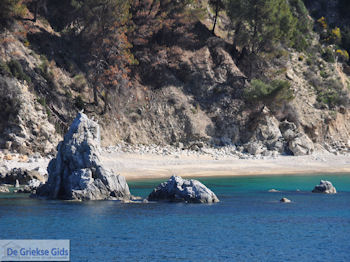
(325, 187)
(76, 172)
(177, 189)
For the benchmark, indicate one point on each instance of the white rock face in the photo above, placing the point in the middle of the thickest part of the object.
(177, 189)
(76, 172)
(301, 145)
(34, 183)
(325, 187)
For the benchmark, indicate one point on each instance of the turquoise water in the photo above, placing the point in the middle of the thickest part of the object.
(249, 224)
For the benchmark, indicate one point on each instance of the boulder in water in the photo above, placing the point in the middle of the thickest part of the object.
(76, 173)
(325, 187)
(177, 189)
(285, 200)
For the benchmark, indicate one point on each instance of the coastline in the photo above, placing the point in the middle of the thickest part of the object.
(149, 166)
(139, 165)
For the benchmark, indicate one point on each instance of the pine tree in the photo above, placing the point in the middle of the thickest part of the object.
(217, 5)
(103, 24)
(8, 9)
(261, 23)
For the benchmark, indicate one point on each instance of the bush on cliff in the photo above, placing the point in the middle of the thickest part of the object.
(276, 92)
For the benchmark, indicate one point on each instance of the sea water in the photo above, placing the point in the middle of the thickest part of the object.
(249, 223)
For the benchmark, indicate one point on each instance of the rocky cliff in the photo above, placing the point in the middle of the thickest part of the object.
(188, 88)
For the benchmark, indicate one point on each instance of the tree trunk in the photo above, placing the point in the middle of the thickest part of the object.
(216, 16)
(106, 101)
(237, 32)
(36, 7)
(95, 95)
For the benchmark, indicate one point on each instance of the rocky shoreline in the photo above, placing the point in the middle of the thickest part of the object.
(38, 163)
(82, 170)
(201, 149)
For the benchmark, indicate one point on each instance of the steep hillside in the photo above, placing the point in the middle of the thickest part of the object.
(188, 87)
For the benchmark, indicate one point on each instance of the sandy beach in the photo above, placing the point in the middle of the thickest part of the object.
(140, 166)
(149, 166)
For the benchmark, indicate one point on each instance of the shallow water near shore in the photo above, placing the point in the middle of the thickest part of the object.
(249, 224)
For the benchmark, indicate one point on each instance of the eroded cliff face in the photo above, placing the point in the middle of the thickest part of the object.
(183, 91)
(25, 127)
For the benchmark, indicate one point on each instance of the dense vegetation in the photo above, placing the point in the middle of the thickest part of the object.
(111, 31)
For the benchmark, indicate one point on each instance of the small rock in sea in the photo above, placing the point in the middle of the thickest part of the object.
(145, 201)
(285, 200)
(177, 189)
(325, 187)
(274, 191)
(4, 189)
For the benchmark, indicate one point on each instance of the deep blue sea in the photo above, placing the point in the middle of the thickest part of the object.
(249, 224)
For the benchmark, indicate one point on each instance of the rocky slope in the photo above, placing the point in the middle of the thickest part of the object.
(187, 90)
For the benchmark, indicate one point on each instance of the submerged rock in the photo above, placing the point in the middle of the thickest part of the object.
(76, 172)
(177, 189)
(274, 191)
(325, 187)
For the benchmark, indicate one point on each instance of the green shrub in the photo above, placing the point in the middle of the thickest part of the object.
(9, 9)
(17, 71)
(278, 91)
(323, 74)
(45, 70)
(4, 69)
(68, 93)
(331, 93)
(342, 55)
(42, 101)
(328, 55)
(79, 103)
(301, 35)
(79, 82)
